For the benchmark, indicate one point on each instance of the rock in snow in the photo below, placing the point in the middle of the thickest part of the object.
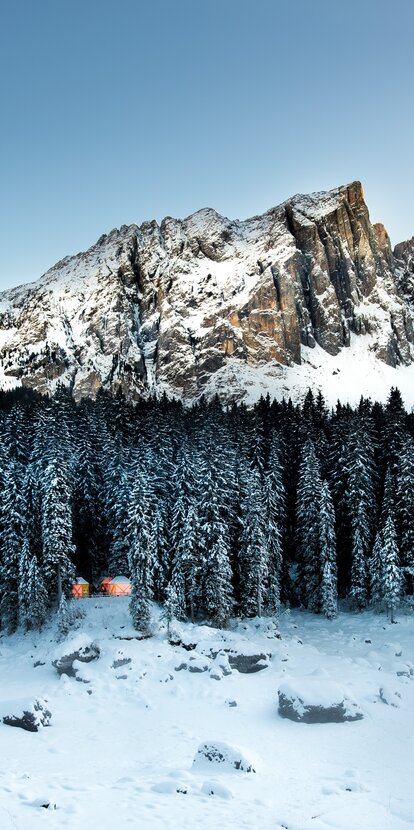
(248, 663)
(316, 700)
(26, 714)
(224, 755)
(79, 650)
(207, 304)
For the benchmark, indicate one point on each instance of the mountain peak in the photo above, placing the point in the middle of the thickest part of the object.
(207, 304)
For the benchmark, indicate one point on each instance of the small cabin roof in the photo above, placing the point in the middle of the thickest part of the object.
(80, 581)
(118, 579)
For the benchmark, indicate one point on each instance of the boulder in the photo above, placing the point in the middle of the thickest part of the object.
(222, 755)
(248, 663)
(26, 714)
(83, 651)
(316, 700)
(195, 664)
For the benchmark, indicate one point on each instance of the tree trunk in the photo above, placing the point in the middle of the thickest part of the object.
(59, 581)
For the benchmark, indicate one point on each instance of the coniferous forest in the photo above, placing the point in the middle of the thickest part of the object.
(213, 512)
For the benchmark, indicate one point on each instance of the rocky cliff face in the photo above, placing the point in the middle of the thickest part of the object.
(188, 306)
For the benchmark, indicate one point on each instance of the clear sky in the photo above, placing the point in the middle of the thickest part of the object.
(117, 111)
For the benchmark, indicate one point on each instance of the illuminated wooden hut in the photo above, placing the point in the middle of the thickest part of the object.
(80, 589)
(119, 586)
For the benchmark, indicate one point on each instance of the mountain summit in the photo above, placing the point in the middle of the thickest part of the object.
(206, 304)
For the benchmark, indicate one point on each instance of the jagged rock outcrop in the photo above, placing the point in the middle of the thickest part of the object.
(184, 307)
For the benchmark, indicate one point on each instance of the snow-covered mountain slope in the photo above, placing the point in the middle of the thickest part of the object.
(208, 304)
(120, 746)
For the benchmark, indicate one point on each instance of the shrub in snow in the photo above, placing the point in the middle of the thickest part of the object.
(27, 714)
(223, 755)
(314, 700)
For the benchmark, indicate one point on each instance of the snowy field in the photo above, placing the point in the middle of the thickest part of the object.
(119, 751)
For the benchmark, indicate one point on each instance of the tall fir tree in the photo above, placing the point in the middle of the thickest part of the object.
(58, 547)
(11, 544)
(392, 578)
(308, 500)
(327, 540)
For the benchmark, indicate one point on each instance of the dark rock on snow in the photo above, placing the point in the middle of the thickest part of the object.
(28, 716)
(85, 654)
(316, 701)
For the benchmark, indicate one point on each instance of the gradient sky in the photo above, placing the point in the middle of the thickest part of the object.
(117, 111)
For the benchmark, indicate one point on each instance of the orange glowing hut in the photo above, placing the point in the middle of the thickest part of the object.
(119, 586)
(80, 588)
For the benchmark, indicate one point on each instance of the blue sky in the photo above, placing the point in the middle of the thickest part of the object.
(117, 111)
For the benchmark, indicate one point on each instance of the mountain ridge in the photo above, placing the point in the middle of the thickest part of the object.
(207, 304)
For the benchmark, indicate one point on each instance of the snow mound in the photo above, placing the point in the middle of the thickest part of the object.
(226, 756)
(316, 700)
(390, 696)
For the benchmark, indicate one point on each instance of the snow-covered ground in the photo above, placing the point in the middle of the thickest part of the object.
(119, 751)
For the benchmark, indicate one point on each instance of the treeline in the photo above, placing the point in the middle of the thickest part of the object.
(213, 512)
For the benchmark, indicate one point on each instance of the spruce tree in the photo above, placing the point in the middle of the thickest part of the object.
(37, 596)
(254, 554)
(376, 572)
(11, 544)
(392, 579)
(218, 595)
(308, 501)
(24, 593)
(361, 505)
(327, 541)
(58, 548)
(141, 551)
(329, 594)
(404, 510)
(63, 618)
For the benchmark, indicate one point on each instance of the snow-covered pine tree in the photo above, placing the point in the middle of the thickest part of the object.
(11, 543)
(388, 499)
(274, 484)
(308, 501)
(329, 592)
(392, 578)
(327, 541)
(174, 603)
(63, 618)
(358, 593)
(394, 429)
(361, 505)
(254, 553)
(37, 596)
(141, 550)
(58, 548)
(24, 593)
(376, 572)
(404, 510)
(215, 570)
(218, 594)
(271, 505)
